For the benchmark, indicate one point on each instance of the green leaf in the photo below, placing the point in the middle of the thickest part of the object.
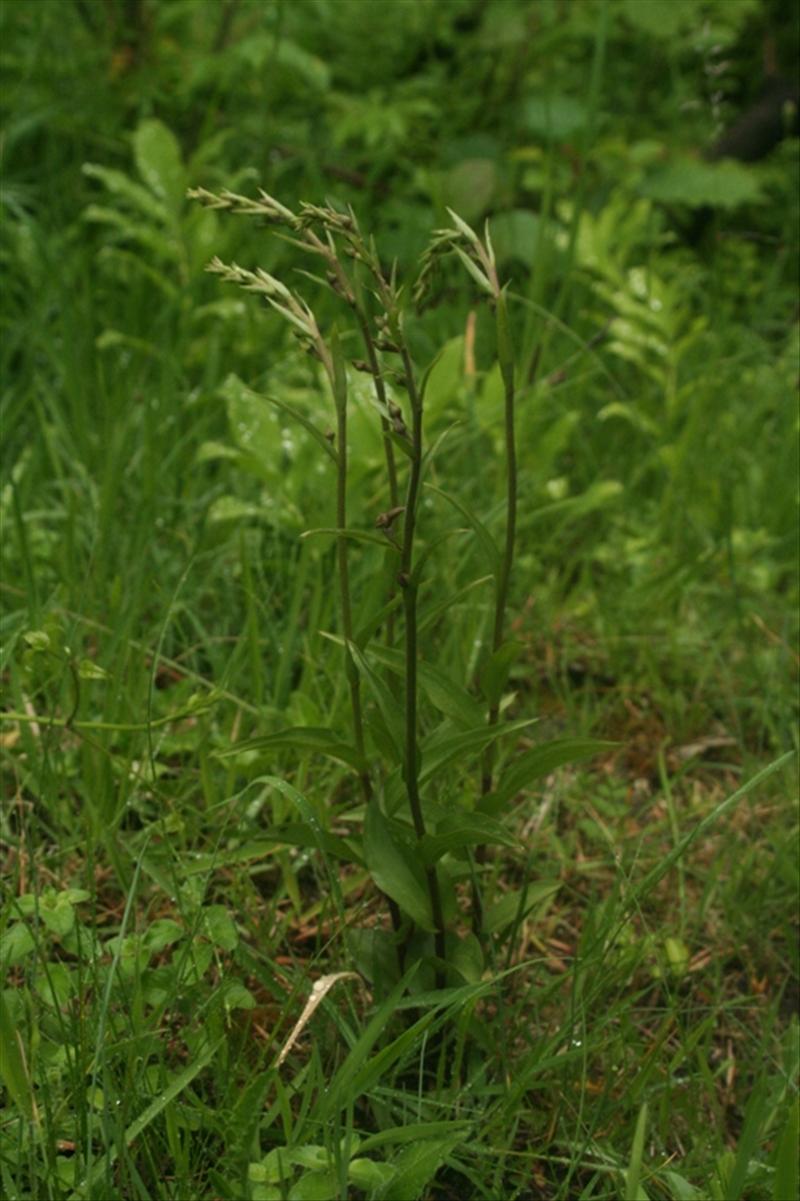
(486, 542)
(633, 1187)
(121, 185)
(89, 670)
(254, 427)
(37, 640)
(446, 380)
(357, 1071)
(386, 700)
(469, 188)
(538, 762)
(57, 913)
(394, 869)
(756, 1115)
(466, 956)
(681, 1189)
(442, 747)
(368, 1175)
(554, 117)
(515, 235)
(786, 1182)
(161, 934)
(474, 270)
(660, 18)
(514, 906)
(495, 672)
(15, 943)
(237, 393)
(13, 1068)
(350, 534)
(159, 162)
(449, 698)
(465, 830)
(302, 738)
(55, 985)
(303, 834)
(416, 1166)
(315, 1186)
(726, 184)
(220, 927)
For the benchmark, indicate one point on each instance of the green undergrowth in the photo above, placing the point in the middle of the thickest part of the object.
(626, 1026)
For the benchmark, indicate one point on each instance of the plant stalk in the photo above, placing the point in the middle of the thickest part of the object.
(409, 587)
(505, 354)
(339, 385)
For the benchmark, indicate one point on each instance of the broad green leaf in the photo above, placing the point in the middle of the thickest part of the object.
(464, 830)
(89, 670)
(301, 738)
(416, 1166)
(514, 906)
(681, 1189)
(539, 761)
(237, 393)
(236, 996)
(254, 427)
(37, 640)
(466, 956)
(555, 117)
(220, 927)
(726, 184)
(161, 934)
(515, 235)
(312, 1156)
(660, 18)
(315, 1186)
(55, 985)
(57, 913)
(445, 380)
(394, 869)
(15, 943)
(159, 162)
(449, 698)
(469, 187)
(495, 672)
(368, 1175)
(442, 747)
(231, 508)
